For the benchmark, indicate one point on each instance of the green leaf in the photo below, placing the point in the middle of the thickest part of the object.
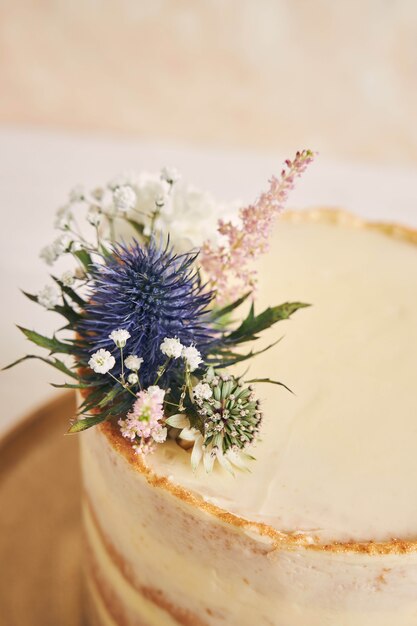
(218, 313)
(59, 365)
(68, 312)
(31, 296)
(70, 386)
(52, 344)
(84, 257)
(137, 227)
(110, 395)
(254, 324)
(84, 423)
(71, 293)
(268, 380)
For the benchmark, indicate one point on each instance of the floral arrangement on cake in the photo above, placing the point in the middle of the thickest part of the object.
(159, 272)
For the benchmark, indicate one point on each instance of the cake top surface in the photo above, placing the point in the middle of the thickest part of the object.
(336, 460)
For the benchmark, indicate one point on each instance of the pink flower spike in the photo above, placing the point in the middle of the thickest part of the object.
(228, 266)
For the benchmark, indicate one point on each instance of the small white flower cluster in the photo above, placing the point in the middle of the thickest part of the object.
(52, 252)
(133, 362)
(94, 216)
(173, 349)
(102, 361)
(163, 203)
(124, 198)
(120, 337)
(49, 296)
(202, 391)
(68, 278)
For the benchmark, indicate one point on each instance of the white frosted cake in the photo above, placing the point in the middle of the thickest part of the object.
(322, 531)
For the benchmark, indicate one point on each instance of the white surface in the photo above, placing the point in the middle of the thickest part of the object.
(38, 168)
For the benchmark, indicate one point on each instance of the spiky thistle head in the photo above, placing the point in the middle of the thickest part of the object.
(152, 293)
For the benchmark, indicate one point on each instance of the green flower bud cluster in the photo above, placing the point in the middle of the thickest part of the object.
(231, 416)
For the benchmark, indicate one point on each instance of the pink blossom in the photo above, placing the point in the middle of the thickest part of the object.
(142, 425)
(228, 266)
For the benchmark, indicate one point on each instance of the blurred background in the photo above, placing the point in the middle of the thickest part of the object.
(223, 89)
(250, 74)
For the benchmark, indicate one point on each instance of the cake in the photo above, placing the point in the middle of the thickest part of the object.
(212, 495)
(322, 531)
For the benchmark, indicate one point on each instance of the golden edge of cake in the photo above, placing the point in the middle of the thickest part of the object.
(279, 539)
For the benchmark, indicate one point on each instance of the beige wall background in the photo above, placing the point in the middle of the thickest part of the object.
(336, 75)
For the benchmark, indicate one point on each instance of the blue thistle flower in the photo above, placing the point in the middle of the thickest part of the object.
(153, 293)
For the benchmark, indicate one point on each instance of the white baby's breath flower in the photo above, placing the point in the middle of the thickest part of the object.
(132, 379)
(77, 194)
(68, 278)
(94, 215)
(120, 336)
(192, 357)
(170, 174)
(62, 244)
(156, 392)
(148, 188)
(202, 391)
(171, 347)
(102, 361)
(133, 362)
(49, 296)
(122, 180)
(48, 254)
(124, 198)
(63, 217)
(76, 246)
(52, 252)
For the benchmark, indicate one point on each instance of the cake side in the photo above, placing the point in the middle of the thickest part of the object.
(147, 546)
